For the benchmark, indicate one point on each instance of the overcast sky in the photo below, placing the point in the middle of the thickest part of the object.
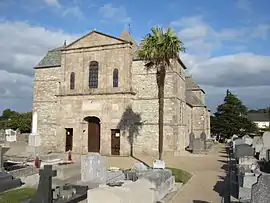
(227, 41)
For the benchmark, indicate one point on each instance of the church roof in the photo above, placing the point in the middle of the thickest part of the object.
(52, 59)
(125, 35)
(192, 99)
(258, 116)
(191, 84)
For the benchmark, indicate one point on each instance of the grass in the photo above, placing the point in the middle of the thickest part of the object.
(18, 195)
(180, 175)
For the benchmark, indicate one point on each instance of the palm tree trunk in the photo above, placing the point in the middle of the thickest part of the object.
(161, 72)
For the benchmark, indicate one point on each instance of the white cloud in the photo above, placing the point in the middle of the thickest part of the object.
(73, 11)
(245, 5)
(24, 46)
(53, 3)
(242, 72)
(112, 13)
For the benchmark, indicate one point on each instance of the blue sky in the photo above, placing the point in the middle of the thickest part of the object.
(227, 41)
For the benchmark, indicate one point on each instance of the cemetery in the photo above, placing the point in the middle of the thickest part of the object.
(248, 168)
(62, 180)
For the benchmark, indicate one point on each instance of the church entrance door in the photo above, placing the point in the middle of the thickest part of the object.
(93, 134)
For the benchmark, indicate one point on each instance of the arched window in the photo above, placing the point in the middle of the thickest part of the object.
(93, 74)
(72, 81)
(115, 78)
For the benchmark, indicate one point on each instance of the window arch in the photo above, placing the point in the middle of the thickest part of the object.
(115, 78)
(72, 81)
(93, 74)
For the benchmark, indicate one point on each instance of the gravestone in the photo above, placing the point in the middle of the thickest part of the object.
(162, 179)
(266, 140)
(93, 168)
(3, 150)
(2, 135)
(191, 139)
(234, 137)
(44, 192)
(266, 145)
(7, 182)
(243, 150)
(247, 139)
(257, 144)
(260, 190)
(61, 194)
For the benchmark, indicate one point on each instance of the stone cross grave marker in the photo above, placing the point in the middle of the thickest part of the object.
(44, 192)
(260, 190)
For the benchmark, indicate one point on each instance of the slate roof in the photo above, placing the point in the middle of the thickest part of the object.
(191, 84)
(52, 59)
(192, 99)
(258, 116)
(125, 35)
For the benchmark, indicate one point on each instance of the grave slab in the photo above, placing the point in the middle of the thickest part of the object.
(260, 190)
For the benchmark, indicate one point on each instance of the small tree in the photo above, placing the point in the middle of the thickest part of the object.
(231, 118)
(158, 48)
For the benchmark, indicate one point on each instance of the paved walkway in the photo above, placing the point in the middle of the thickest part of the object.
(207, 183)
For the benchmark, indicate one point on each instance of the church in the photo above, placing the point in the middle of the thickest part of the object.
(96, 95)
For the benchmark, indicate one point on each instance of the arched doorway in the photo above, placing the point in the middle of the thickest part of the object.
(93, 133)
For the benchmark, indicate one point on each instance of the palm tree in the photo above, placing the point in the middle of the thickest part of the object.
(158, 49)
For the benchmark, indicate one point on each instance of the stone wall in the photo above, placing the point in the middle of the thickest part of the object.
(198, 125)
(46, 87)
(146, 102)
(109, 58)
(109, 109)
(200, 94)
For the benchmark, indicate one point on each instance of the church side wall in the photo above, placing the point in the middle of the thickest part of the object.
(199, 121)
(199, 93)
(188, 122)
(46, 87)
(146, 102)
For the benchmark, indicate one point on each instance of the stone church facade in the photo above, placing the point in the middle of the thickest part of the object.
(95, 95)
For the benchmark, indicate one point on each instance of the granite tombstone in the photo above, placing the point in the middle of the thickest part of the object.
(260, 190)
(243, 150)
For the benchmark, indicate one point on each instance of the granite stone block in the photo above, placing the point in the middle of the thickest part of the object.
(93, 168)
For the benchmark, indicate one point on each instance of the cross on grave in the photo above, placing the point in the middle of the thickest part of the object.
(44, 192)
